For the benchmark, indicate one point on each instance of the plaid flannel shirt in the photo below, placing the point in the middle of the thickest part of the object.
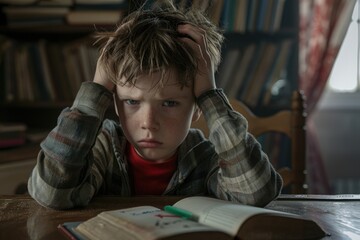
(85, 155)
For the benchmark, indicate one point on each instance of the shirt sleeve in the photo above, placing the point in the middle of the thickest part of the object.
(245, 173)
(64, 176)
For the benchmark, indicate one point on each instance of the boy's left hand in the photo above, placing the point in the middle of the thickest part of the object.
(205, 79)
(101, 77)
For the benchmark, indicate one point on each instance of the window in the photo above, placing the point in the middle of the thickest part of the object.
(345, 74)
(337, 115)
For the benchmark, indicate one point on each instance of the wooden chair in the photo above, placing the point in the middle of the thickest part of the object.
(288, 122)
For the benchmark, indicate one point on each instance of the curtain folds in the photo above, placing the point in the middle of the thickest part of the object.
(322, 28)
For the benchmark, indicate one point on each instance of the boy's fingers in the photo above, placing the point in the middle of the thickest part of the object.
(192, 32)
(197, 35)
(101, 77)
(194, 46)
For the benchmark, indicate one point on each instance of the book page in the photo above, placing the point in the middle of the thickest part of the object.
(148, 222)
(220, 214)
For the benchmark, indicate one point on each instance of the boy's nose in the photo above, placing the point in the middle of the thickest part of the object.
(150, 119)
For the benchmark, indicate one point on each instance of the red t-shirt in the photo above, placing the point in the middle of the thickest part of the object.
(150, 178)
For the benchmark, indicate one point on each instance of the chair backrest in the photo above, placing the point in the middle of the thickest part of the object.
(289, 122)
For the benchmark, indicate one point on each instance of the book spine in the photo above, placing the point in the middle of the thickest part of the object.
(43, 70)
(6, 143)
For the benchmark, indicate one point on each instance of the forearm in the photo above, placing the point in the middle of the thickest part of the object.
(250, 180)
(245, 173)
(65, 160)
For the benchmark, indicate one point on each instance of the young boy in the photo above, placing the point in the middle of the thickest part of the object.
(158, 66)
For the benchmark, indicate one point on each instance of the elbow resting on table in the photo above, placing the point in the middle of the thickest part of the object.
(59, 199)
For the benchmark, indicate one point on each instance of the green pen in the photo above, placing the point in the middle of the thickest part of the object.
(180, 212)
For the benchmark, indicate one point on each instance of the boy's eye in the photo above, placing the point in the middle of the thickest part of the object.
(170, 103)
(131, 102)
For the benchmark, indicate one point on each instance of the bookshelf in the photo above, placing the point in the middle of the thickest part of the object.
(266, 50)
(41, 66)
(260, 62)
(259, 66)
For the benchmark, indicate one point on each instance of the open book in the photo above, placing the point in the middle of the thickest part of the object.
(195, 218)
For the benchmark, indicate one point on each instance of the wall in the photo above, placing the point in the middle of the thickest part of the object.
(337, 120)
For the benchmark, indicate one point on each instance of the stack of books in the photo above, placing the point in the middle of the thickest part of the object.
(100, 12)
(34, 16)
(64, 12)
(12, 134)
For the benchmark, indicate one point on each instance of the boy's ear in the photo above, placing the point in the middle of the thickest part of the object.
(197, 114)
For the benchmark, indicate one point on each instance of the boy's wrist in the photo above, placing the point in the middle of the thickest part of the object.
(102, 86)
(207, 94)
(92, 99)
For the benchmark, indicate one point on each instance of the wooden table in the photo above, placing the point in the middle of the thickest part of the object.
(22, 218)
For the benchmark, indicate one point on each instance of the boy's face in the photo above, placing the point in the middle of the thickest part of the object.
(156, 119)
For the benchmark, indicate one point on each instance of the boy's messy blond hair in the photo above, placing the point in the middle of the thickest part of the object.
(147, 41)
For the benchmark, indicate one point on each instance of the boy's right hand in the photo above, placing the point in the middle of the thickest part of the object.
(101, 77)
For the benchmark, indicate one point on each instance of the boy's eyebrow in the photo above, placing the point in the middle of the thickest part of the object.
(174, 95)
(159, 97)
(163, 95)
